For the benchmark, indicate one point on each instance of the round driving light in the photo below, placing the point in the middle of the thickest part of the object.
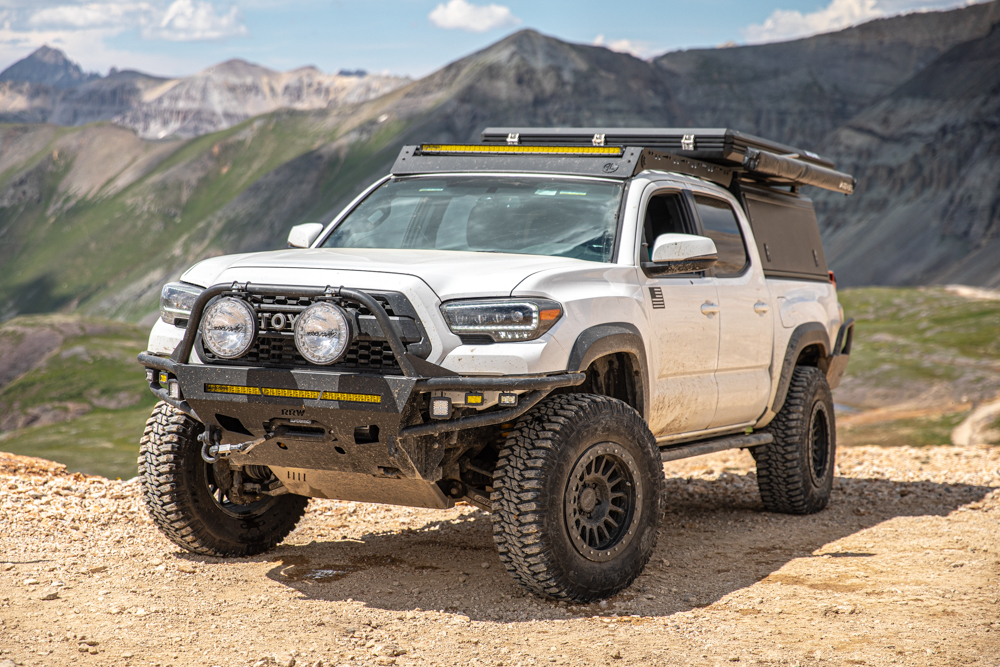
(322, 333)
(228, 328)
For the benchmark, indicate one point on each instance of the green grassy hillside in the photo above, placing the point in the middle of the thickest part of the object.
(922, 360)
(84, 401)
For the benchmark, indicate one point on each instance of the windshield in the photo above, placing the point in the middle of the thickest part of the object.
(534, 215)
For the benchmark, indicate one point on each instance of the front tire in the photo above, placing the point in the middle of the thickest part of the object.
(186, 503)
(577, 497)
(795, 472)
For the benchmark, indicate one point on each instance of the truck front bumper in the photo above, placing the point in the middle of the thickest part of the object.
(336, 435)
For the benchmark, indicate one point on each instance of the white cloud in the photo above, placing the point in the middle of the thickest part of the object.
(637, 49)
(186, 21)
(462, 15)
(84, 29)
(790, 24)
(91, 15)
(174, 20)
(839, 14)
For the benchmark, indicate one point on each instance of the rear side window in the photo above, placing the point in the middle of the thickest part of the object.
(720, 224)
(787, 235)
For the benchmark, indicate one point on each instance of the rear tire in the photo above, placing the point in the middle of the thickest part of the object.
(186, 504)
(795, 472)
(577, 497)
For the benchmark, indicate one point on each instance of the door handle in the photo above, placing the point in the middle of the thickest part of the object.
(708, 308)
(761, 307)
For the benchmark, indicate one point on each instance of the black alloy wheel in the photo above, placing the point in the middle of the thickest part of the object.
(601, 501)
(819, 442)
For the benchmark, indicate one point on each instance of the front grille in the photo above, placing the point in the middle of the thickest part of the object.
(367, 352)
(281, 351)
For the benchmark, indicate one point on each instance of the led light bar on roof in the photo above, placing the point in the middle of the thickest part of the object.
(473, 149)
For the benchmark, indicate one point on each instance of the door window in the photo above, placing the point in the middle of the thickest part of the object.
(720, 224)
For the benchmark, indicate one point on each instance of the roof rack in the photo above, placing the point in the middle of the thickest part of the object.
(749, 157)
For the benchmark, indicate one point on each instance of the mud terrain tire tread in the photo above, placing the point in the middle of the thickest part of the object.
(783, 473)
(169, 452)
(520, 499)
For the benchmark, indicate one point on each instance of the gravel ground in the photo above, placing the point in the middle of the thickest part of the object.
(903, 568)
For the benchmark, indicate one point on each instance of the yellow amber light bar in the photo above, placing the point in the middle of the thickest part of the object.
(231, 389)
(291, 393)
(356, 398)
(463, 149)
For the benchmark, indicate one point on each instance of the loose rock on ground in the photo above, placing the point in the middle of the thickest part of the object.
(903, 568)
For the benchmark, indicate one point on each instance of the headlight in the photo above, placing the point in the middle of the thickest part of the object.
(176, 301)
(228, 328)
(502, 320)
(322, 333)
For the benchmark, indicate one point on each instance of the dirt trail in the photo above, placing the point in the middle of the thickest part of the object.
(903, 568)
(977, 428)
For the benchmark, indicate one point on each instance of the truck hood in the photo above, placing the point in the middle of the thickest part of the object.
(450, 274)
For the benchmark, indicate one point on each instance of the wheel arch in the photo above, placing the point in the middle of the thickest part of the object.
(614, 357)
(809, 345)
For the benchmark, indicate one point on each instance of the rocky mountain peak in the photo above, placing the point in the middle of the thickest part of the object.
(537, 79)
(536, 49)
(236, 68)
(49, 67)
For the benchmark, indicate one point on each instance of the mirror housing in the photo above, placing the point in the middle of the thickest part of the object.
(302, 236)
(681, 253)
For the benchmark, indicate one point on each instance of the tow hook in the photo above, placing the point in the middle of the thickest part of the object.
(208, 440)
(212, 451)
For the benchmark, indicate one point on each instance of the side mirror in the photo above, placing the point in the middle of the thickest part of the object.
(682, 253)
(302, 236)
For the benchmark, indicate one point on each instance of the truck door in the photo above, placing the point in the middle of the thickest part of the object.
(745, 317)
(682, 310)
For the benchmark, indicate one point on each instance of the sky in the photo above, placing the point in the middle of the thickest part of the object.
(405, 37)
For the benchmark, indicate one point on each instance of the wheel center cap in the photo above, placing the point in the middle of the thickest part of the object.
(588, 499)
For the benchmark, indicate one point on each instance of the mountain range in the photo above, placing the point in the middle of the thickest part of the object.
(46, 87)
(96, 217)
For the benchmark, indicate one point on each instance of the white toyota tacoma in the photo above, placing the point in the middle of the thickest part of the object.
(531, 325)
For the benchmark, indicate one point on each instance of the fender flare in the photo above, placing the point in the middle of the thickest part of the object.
(613, 337)
(810, 333)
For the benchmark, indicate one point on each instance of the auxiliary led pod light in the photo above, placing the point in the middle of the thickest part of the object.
(440, 407)
(322, 333)
(229, 327)
(507, 400)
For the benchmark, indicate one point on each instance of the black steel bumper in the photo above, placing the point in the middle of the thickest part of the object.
(203, 390)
